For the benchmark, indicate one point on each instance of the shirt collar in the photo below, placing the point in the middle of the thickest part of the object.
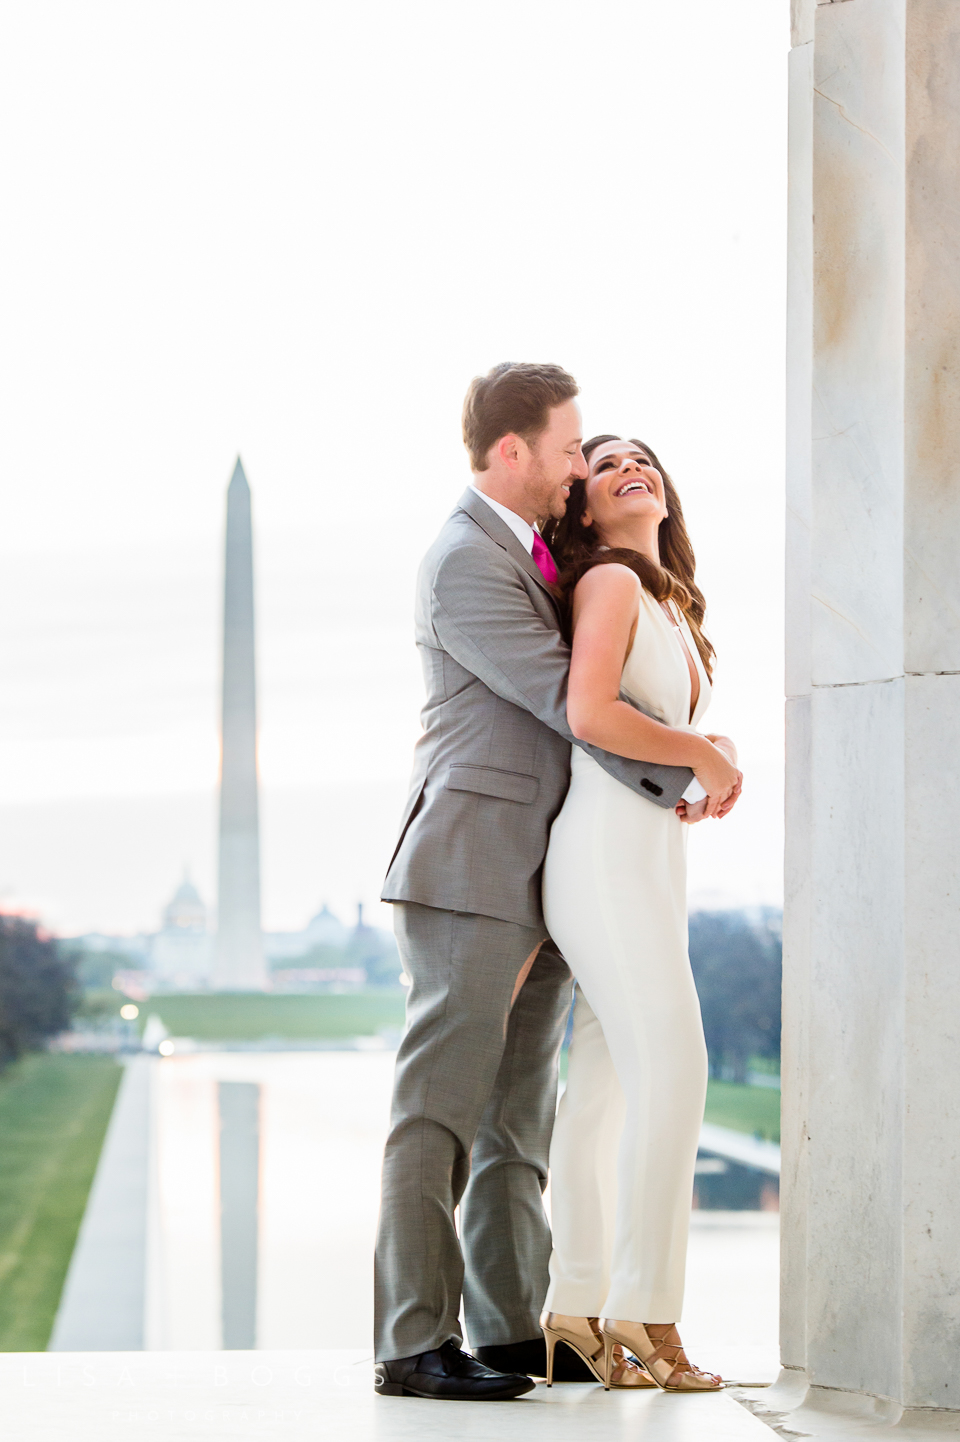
(522, 529)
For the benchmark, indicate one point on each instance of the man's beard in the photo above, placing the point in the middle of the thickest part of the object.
(548, 499)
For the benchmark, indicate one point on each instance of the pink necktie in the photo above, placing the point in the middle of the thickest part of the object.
(544, 560)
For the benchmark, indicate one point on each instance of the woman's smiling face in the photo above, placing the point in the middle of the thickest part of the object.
(622, 485)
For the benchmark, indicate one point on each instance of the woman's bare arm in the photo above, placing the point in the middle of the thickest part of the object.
(604, 608)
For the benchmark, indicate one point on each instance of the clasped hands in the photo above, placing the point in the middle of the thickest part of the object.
(723, 790)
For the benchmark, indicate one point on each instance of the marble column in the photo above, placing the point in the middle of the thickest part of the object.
(239, 963)
(871, 1129)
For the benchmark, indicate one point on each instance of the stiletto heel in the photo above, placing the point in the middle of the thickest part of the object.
(608, 1345)
(582, 1336)
(663, 1357)
(551, 1340)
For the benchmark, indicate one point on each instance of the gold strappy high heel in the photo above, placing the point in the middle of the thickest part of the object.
(582, 1335)
(663, 1357)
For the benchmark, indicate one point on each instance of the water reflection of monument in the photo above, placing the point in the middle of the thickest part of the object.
(239, 963)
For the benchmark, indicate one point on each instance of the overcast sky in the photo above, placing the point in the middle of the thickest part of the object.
(294, 231)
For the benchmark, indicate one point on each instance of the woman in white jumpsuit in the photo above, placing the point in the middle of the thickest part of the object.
(625, 1142)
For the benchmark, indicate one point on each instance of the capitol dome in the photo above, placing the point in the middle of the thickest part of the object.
(185, 911)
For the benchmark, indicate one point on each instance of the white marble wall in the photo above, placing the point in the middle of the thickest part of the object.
(801, 21)
(871, 1180)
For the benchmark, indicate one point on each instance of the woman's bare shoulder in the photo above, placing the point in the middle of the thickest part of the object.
(613, 581)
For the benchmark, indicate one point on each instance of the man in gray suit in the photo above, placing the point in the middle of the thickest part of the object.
(476, 1079)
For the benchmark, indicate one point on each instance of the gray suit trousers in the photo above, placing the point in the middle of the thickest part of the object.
(473, 1110)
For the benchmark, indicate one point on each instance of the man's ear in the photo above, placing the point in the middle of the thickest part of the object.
(508, 449)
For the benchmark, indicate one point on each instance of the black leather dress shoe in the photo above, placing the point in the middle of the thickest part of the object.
(447, 1373)
(531, 1357)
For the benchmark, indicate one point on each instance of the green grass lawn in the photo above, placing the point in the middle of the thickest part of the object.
(745, 1109)
(54, 1112)
(243, 1016)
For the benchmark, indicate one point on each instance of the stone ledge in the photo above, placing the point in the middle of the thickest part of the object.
(791, 1408)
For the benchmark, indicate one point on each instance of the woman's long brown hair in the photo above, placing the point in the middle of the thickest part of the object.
(576, 548)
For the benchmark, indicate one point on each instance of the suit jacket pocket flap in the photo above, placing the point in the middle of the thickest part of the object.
(488, 781)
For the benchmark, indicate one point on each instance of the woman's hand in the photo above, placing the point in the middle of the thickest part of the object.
(718, 776)
(729, 750)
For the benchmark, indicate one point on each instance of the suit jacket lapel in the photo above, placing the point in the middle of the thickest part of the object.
(498, 530)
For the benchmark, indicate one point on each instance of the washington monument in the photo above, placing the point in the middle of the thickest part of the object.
(239, 964)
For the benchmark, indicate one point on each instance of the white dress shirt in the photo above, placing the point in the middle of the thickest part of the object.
(524, 533)
(522, 529)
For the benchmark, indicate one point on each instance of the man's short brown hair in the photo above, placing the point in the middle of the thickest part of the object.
(512, 399)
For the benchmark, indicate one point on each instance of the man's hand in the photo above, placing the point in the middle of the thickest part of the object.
(691, 812)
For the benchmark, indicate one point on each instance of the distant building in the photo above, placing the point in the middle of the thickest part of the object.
(182, 952)
(324, 929)
(185, 910)
(134, 949)
(325, 956)
(300, 979)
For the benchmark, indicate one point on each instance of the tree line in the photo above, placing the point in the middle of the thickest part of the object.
(736, 959)
(737, 964)
(39, 991)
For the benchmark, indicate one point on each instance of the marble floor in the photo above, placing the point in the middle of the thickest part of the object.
(296, 1396)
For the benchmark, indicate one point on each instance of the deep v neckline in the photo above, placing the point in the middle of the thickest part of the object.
(691, 663)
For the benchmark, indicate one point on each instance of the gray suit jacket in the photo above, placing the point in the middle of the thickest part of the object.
(493, 765)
